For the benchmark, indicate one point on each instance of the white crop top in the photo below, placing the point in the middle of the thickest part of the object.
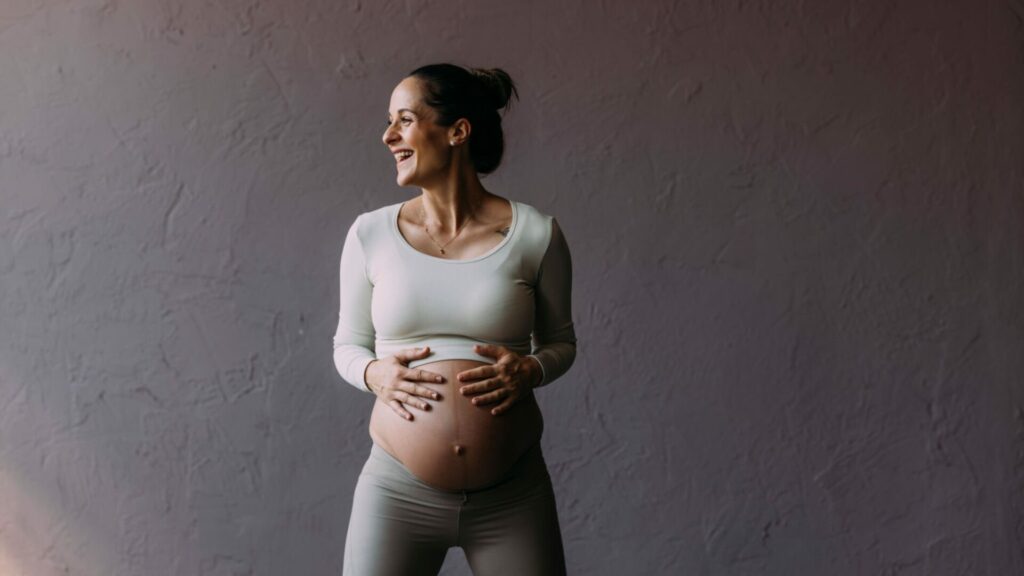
(517, 294)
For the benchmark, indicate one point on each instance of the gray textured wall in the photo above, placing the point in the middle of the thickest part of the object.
(797, 238)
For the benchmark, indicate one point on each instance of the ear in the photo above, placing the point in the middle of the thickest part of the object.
(459, 131)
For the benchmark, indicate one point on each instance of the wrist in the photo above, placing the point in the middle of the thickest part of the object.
(366, 376)
(537, 372)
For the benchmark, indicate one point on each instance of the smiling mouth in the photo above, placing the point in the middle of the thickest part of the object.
(402, 159)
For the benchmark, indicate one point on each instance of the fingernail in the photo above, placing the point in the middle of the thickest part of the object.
(439, 379)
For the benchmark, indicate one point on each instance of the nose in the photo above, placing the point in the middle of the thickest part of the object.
(389, 135)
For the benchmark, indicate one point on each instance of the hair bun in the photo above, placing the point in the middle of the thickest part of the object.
(477, 94)
(497, 85)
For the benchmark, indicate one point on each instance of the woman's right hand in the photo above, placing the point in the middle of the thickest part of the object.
(394, 383)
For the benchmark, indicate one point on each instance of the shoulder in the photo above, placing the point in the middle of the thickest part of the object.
(369, 229)
(538, 233)
(539, 227)
(376, 218)
(373, 223)
(531, 217)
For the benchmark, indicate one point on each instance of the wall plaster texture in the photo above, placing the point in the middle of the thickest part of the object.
(798, 242)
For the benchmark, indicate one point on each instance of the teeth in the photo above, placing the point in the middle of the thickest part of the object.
(403, 155)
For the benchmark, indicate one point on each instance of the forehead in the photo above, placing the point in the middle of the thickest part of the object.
(408, 94)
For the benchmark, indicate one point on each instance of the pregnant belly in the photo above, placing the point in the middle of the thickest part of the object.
(455, 445)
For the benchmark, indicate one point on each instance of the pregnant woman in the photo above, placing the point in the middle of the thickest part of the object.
(455, 306)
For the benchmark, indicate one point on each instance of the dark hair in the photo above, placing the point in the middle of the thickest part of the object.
(476, 94)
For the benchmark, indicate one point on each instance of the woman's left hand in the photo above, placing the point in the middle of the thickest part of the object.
(505, 380)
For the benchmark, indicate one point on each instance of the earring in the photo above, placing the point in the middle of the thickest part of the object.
(452, 143)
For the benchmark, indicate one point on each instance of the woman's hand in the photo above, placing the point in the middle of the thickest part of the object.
(505, 380)
(394, 383)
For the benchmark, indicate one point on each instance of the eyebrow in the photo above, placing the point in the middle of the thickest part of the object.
(400, 110)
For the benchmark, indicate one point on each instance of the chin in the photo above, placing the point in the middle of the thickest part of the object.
(405, 179)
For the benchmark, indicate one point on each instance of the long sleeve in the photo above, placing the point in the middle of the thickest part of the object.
(354, 338)
(554, 337)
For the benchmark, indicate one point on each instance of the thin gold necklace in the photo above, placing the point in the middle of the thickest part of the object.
(423, 215)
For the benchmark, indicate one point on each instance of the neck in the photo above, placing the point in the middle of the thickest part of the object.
(450, 203)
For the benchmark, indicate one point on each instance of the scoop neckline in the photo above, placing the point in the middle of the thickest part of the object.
(405, 243)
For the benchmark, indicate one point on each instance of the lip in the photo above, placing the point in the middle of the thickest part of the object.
(401, 160)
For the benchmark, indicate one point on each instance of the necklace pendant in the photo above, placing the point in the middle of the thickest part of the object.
(442, 250)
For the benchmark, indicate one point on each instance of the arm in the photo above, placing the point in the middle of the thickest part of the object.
(354, 338)
(554, 338)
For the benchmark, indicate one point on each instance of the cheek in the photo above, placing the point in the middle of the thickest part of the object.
(430, 156)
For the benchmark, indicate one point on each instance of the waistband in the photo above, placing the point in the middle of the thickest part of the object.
(526, 468)
(443, 348)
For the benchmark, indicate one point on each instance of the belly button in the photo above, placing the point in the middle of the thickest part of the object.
(459, 449)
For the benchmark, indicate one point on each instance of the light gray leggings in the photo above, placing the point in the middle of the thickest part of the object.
(401, 526)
